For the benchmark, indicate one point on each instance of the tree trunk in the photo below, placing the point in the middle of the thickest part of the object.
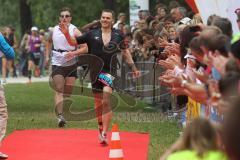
(25, 16)
(110, 4)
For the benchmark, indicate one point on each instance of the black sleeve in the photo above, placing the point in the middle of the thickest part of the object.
(83, 38)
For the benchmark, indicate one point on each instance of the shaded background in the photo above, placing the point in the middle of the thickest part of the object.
(22, 14)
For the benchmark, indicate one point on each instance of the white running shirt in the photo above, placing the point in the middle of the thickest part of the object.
(60, 42)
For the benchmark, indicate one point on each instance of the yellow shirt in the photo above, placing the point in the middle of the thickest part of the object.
(192, 155)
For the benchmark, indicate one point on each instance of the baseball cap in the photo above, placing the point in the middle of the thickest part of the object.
(121, 14)
(189, 56)
(185, 21)
(34, 29)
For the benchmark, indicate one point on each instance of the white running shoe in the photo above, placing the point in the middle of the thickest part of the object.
(3, 82)
(103, 138)
(61, 121)
(3, 156)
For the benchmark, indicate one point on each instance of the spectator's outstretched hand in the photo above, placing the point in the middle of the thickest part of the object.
(166, 64)
(136, 74)
(178, 91)
(170, 80)
(162, 42)
(173, 49)
(214, 92)
(175, 59)
(202, 76)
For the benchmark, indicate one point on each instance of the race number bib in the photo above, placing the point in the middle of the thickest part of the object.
(106, 79)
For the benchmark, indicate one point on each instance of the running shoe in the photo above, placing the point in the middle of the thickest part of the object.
(61, 121)
(3, 82)
(3, 156)
(103, 138)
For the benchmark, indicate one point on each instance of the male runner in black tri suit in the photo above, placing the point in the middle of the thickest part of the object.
(104, 43)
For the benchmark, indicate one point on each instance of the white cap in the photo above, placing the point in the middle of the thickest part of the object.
(50, 28)
(34, 29)
(189, 56)
(185, 21)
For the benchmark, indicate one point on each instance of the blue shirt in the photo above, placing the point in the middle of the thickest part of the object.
(6, 48)
(192, 155)
(215, 74)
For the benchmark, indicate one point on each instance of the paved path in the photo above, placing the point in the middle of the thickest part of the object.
(25, 80)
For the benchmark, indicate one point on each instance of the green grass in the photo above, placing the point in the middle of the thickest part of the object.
(31, 106)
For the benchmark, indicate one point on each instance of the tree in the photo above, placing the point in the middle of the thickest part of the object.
(25, 16)
(9, 13)
(109, 4)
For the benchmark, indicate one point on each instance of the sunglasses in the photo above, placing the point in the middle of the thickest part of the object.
(65, 16)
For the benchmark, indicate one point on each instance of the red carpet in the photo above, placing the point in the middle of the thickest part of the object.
(70, 145)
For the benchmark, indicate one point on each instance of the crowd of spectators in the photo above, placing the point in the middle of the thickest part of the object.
(202, 71)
